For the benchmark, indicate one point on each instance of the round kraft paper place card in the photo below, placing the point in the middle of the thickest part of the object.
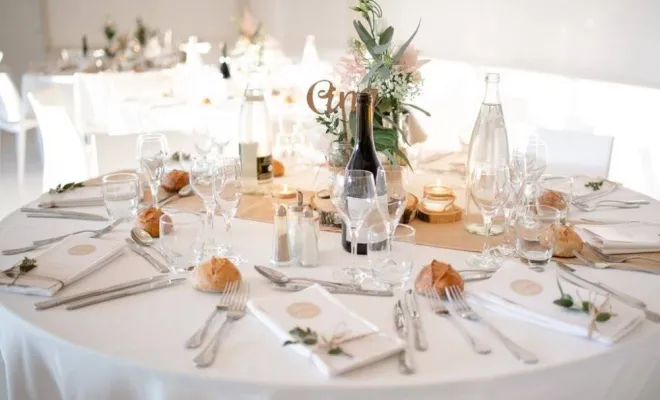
(303, 310)
(526, 287)
(82, 249)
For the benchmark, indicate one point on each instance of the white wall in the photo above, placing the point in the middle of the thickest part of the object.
(21, 35)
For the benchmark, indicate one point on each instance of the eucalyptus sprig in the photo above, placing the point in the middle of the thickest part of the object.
(66, 187)
(600, 313)
(308, 337)
(180, 156)
(594, 185)
(331, 122)
(26, 265)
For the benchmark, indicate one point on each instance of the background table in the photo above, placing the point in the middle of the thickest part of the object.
(132, 348)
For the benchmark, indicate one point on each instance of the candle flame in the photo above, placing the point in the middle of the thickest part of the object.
(285, 188)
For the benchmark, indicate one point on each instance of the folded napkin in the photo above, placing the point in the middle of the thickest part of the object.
(318, 310)
(522, 293)
(72, 259)
(581, 192)
(622, 238)
(86, 196)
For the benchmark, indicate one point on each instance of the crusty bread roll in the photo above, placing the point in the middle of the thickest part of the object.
(553, 199)
(174, 180)
(567, 240)
(149, 220)
(278, 169)
(438, 275)
(214, 275)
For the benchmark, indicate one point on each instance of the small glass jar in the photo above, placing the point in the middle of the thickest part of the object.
(438, 197)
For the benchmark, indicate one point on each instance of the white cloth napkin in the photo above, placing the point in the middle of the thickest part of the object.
(317, 309)
(86, 196)
(72, 259)
(622, 238)
(522, 293)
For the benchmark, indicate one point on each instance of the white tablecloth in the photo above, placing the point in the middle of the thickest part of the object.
(132, 348)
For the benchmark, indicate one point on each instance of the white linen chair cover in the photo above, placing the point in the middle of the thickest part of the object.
(576, 153)
(64, 152)
(12, 120)
(90, 102)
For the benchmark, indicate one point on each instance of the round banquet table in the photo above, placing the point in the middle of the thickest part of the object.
(132, 348)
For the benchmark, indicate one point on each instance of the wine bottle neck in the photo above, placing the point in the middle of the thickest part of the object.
(365, 124)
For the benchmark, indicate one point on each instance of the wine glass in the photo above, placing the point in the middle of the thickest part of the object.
(202, 140)
(227, 187)
(152, 155)
(354, 196)
(202, 173)
(529, 162)
(489, 187)
(390, 179)
(512, 202)
(121, 196)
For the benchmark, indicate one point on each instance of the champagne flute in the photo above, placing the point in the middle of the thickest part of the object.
(227, 187)
(391, 179)
(489, 187)
(202, 173)
(354, 196)
(152, 155)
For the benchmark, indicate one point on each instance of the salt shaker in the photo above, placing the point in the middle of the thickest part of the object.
(295, 235)
(281, 244)
(309, 246)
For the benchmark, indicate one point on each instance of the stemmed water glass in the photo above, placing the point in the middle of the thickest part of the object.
(202, 174)
(489, 187)
(354, 196)
(529, 163)
(227, 187)
(202, 140)
(393, 178)
(511, 204)
(152, 154)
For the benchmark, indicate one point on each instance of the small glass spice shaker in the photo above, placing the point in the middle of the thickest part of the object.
(295, 235)
(281, 245)
(309, 248)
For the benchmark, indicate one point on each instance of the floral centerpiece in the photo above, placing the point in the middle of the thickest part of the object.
(374, 62)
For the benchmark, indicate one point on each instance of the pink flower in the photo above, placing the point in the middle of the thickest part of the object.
(350, 70)
(409, 61)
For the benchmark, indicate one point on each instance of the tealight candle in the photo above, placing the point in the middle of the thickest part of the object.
(438, 197)
(283, 192)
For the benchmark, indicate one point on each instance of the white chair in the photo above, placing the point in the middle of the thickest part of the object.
(12, 120)
(64, 151)
(577, 153)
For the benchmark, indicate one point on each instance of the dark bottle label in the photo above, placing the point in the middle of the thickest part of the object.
(265, 168)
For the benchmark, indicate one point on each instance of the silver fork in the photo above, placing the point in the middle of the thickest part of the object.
(438, 307)
(198, 337)
(235, 311)
(611, 259)
(463, 310)
(614, 203)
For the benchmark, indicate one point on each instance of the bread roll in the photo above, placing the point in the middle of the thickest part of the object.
(149, 220)
(215, 274)
(438, 275)
(553, 199)
(174, 180)
(567, 241)
(278, 169)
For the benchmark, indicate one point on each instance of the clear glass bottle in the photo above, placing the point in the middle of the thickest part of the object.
(255, 141)
(489, 144)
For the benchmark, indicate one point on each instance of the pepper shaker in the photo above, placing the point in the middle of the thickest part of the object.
(309, 248)
(295, 235)
(281, 255)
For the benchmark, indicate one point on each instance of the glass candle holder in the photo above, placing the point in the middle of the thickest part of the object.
(438, 197)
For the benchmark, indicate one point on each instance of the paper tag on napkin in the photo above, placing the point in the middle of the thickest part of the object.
(63, 264)
(318, 310)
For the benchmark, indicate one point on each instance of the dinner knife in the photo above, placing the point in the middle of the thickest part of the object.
(143, 253)
(57, 212)
(614, 265)
(406, 362)
(126, 292)
(90, 217)
(421, 343)
(294, 287)
(46, 304)
(88, 202)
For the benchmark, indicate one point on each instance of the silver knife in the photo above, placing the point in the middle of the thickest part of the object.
(406, 362)
(57, 212)
(88, 202)
(126, 292)
(294, 287)
(143, 253)
(614, 265)
(44, 305)
(63, 216)
(421, 343)
(568, 273)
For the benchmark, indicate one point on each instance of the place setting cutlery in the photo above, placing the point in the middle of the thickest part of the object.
(421, 343)
(96, 233)
(620, 259)
(613, 221)
(617, 204)
(236, 304)
(404, 357)
(616, 265)
(61, 214)
(568, 273)
(137, 249)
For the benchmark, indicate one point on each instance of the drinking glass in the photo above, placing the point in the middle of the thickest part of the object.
(202, 174)
(181, 239)
(489, 187)
(121, 196)
(511, 204)
(536, 228)
(227, 187)
(202, 140)
(152, 154)
(529, 162)
(556, 192)
(391, 254)
(354, 196)
(338, 156)
(391, 179)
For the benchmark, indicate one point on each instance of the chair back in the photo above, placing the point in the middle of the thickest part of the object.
(63, 151)
(10, 101)
(577, 153)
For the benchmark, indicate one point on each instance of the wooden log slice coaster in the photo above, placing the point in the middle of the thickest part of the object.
(452, 214)
(328, 216)
(410, 213)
